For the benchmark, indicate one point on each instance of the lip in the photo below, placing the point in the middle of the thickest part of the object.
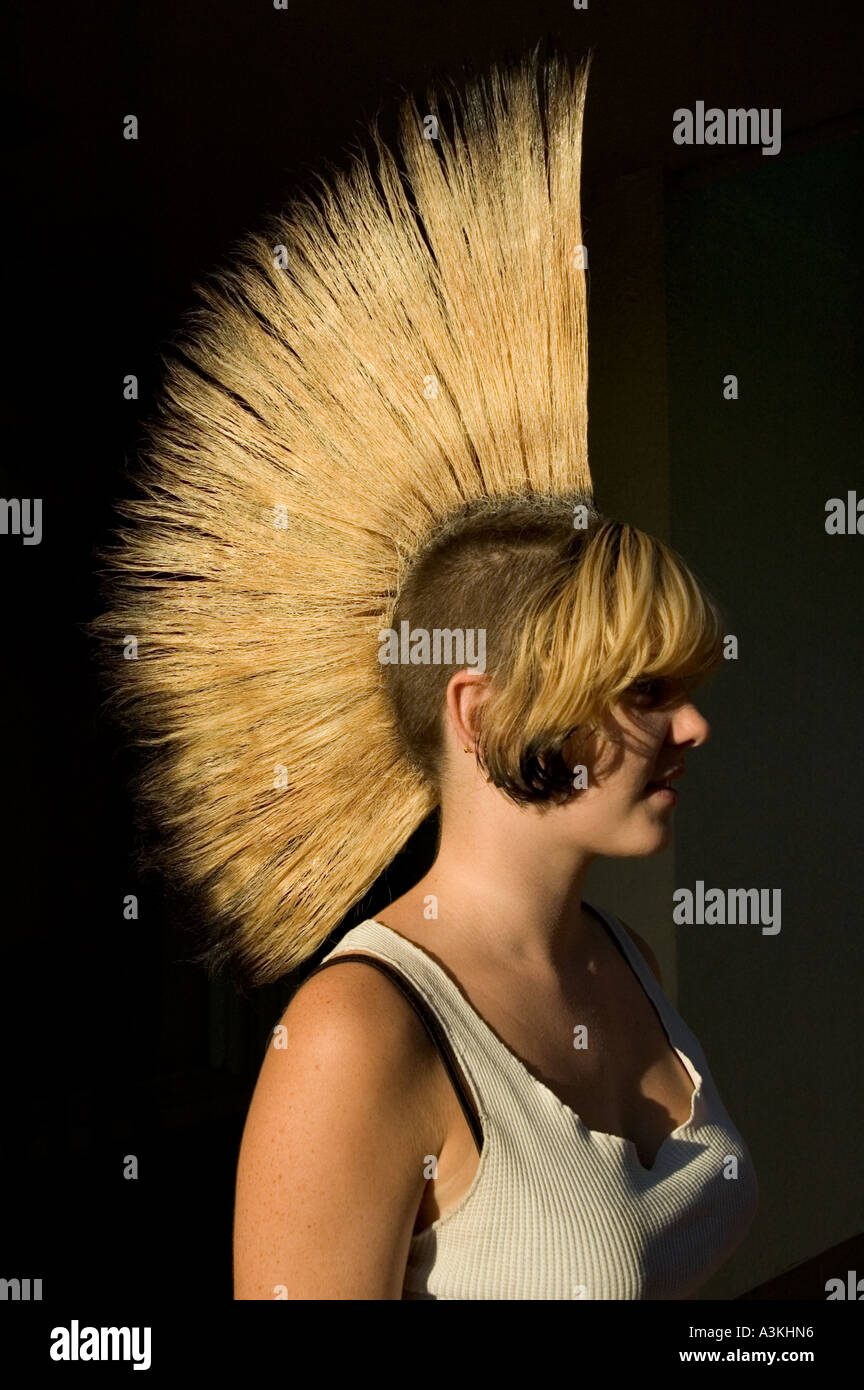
(658, 786)
(665, 794)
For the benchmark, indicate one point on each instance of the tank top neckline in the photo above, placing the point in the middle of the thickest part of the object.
(633, 957)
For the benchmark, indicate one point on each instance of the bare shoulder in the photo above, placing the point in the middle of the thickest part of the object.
(649, 955)
(350, 1039)
(352, 1019)
(345, 1113)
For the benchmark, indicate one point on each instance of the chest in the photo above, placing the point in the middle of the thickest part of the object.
(597, 1044)
(600, 1047)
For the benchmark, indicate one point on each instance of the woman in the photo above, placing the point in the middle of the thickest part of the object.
(429, 1127)
(367, 547)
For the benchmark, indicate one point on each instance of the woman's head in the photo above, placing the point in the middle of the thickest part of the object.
(595, 635)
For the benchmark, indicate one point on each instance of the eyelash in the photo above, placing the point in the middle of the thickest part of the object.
(651, 688)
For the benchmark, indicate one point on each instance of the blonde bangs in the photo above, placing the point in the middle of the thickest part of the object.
(629, 609)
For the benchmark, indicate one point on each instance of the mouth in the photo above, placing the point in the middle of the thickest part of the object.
(662, 787)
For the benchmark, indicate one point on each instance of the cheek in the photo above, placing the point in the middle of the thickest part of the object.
(645, 742)
(626, 766)
(618, 766)
(634, 770)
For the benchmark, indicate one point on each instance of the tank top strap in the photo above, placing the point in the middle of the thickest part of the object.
(621, 938)
(679, 1034)
(438, 1003)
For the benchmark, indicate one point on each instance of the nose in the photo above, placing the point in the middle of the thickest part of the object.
(688, 725)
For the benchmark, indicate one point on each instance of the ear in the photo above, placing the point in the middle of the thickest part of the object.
(466, 691)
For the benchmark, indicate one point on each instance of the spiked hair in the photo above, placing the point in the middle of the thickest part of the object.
(402, 352)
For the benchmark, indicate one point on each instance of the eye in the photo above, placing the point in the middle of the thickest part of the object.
(650, 690)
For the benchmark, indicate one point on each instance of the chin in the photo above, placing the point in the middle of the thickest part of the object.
(650, 841)
(660, 841)
(639, 847)
(661, 836)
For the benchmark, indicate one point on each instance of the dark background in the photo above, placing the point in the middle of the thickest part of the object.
(703, 260)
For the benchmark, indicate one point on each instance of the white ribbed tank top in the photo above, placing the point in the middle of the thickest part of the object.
(557, 1210)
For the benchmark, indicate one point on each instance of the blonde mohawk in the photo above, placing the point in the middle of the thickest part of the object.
(424, 346)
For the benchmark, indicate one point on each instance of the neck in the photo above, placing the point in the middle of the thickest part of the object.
(507, 887)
